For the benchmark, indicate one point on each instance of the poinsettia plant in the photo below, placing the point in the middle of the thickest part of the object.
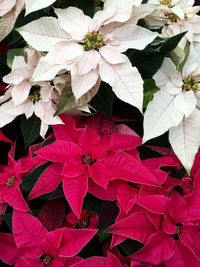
(100, 133)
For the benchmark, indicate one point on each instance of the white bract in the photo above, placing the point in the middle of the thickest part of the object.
(175, 16)
(176, 108)
(25, 97)
(90, 48)
(9, 11)
(34, 5)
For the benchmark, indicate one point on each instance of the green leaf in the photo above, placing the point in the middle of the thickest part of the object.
(87, 5)
(29, 181)
(4, 70)
(8, 219)
(12, 53)
(180, 56)
(148, 63)
(103, 236)
(92, 204)
(103, 100)
(149, 60)
(129, 246)
(67, 101)
(150, 89)
(30, 129)
(164, 45)
(171, 43)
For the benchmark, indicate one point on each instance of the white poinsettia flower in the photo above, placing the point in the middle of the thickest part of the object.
(176, 108)
(9, 11)
(176, 16)
(90, 48)
(25, 97)
(39, 102)
(19, 78)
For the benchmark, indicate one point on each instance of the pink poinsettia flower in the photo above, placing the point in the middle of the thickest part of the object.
(81, 153)
(107, 129)
(74, 164)
(37, 247)
(10, 180)
(11, 177)
(177, 239)
(104, 126)
(10, 192)
(136, 225)
(90, 48)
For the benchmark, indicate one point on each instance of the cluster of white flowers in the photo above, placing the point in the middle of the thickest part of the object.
(176, 106)
(25, 97)
(92, 49)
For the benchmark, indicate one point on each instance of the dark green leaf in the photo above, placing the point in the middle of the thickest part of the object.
(103, 100)
(8, 219)
(148, 63)
(149, 60)
(171, 43)
(87, 5)
(12, 53)
(30, 129)
(180, 56)
(108, 214)
(29, 181)
(128, 247)
(142, 23)
(164, 45)
(92, 204)
(4, 70)
(67, 101)
(58, 193)
(149, 89)
(103, 236)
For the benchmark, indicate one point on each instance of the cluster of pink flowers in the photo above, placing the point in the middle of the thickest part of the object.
(154, 202)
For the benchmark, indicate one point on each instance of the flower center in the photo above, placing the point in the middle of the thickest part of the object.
(166, 2)
(93, 40)
(178, 231)
(84, 223)
(34, 95)
(190, 83)
(11, 181)
(87, 159)
(46, 260)
(172, 17)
